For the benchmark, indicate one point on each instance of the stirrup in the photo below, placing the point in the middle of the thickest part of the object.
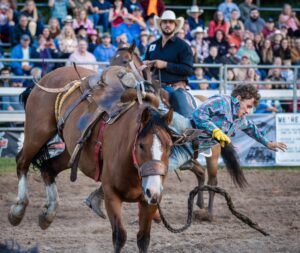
(95, 202)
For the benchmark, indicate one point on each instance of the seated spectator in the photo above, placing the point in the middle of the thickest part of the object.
(45, 50)
(252, 76)
(249, 50)
(93, 40)
(54, 27)
(245, 9)
(105, 51)
(187, 30)
(6, 20)
(143, 43)
(82, 55)
(284, 52)
(78, 5)
(258, 42)
(81, 33)
(151, 38)
(194, 13)
(82, 20)
(266, 57)
(20, 29)
(199, 81)
(235, 22)
(289, 18)
(275, 75)
(213, 58)
(219, 41)
(230, 78)
(137, 13)
(288, 74)
(35, 24)
(254, 23)
(227, 7)
(122, 41)
(295, 52)
(241, 73)
(276, 39)
(101, 12)
(230, 57)
(67, 42)
(200, 43)
(218, 23)
(150, 7)
(22, 51)
(181, 34)
(116, 16)
(131, 5)
(235, 36)
(59, 9)
(151, 27)
(269, 27)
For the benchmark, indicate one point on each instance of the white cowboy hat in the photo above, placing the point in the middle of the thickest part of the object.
(199, 29)
(194, 9)
(169, 15)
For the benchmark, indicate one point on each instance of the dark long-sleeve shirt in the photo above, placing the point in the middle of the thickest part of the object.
(177, 53)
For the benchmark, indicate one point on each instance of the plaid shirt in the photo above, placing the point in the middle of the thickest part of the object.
(221, 112)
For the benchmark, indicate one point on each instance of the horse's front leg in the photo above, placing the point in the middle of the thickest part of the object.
(145, 219)
(113, 206)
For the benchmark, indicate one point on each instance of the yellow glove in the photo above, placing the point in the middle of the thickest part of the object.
(221, 137)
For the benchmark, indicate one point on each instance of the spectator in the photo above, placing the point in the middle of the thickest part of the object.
(143, 43)
(284, 52)
(199, 81)
(220, 42)
(101, 13)
(218, 23)
(122, 40)
(249, 50)
(227, 7)
(150, 7)
(151, 27)
(116, 16)
(79, 5)
(137, 13)
(287, 73)
(82, 55)
(258, 42)
(187, 30)
(245, 9)
(289, 18)
(200, 44)
(213, 72)
(295, 52)
(22, 51)
(81, 33)
(67, 41)
(8, 19)
(93, 40)
(35, 25)
(251, 76)
(54, 27)
(254, 23)
(105, 51)
(241, 73)
(181, 34)
(59, 9)
(194, 13)
(82, 20)
(235, 36)
(269, 27)
(17, 31)
(68, 21)
(131, 5)
(275, 75)
(276, 39)
(266, 57)
(230, 57)
(235, 22)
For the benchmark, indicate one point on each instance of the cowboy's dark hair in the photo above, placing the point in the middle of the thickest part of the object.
(246, 91)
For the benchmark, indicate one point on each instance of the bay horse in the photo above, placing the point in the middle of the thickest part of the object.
(127, 55)
(135, 155)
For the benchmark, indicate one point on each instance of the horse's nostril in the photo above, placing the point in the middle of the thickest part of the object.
(154, 201)
(148, 193)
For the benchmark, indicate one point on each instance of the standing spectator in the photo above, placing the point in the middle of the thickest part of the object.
(220, 42)
(105, 51)
(295, 52)
(254, 23)
(150, 7)
(227, 7)
(269, 27)
(245, 9)
(82, 20)
(54, 27)
(101, 13)
(218, 23)
(143, 44)
(93, 40)
(249, 50)
(230, 57)
(200, 44)
(116, 16)
(194, 18)
(20, 29)
(6, 21)
(289, 18)
(67, 42)
(59, 9)
(212, 72)
(22, 51)
(78, 5)
(131, 5)
(235, 36)
(82, 55)
(235, 22)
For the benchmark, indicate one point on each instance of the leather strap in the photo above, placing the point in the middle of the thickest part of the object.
(98, 151)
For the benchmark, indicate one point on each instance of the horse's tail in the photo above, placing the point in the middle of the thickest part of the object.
(24, 96)
(232, 163)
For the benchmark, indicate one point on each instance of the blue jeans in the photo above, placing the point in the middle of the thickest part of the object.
(101, 19)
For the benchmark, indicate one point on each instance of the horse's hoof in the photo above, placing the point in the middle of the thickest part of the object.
(203, 215)
(44, 222)
(17, 212)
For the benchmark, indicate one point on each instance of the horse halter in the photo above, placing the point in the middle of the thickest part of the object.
(149, 168)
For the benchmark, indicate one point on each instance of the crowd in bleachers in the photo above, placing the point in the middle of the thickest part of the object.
(90, 31)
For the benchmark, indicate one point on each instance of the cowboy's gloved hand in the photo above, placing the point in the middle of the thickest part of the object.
(221, 137)
(276, 145)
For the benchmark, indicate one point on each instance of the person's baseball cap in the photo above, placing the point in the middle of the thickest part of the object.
(25, 37)
(106, 35)
(270, 20)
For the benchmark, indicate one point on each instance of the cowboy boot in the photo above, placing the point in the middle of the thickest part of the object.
(95, 202)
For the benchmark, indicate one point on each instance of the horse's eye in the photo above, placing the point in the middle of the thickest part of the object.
(125, 62)
(141, 146)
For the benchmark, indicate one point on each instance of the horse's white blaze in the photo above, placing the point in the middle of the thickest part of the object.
(52, 195)
(22, 189)
(156, 148)
(154, 185)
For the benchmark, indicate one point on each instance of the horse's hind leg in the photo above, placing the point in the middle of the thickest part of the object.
(49, 171)
(200, 174)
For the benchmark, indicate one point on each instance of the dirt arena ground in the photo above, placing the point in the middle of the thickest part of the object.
(272, 200)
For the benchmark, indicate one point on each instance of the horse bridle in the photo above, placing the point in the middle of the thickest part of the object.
(149, 168)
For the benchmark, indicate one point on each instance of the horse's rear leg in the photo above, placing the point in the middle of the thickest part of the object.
(49, 171)
(200, 174)
(145, 219)
(113, 206)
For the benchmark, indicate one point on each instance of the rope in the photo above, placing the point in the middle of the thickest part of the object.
(230, 205)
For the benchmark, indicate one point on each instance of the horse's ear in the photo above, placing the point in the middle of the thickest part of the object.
(145, 116)
(168, 116)
(132, 46)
